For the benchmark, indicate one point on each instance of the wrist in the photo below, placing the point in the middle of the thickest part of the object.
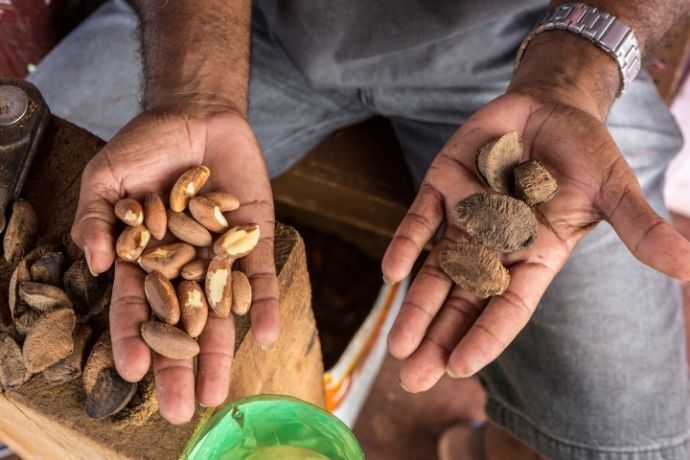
(560, 67)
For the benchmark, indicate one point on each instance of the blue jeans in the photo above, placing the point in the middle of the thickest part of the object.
(600, 371)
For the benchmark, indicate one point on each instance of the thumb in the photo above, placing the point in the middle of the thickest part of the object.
(645, 233)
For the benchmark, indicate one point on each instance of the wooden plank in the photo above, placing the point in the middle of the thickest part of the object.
(49, 422)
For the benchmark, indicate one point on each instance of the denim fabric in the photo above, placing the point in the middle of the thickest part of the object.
(600, 371)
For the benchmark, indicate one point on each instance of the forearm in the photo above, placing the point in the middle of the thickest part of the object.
(568, 68)
(195, 53)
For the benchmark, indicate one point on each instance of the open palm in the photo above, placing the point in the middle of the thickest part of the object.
(148, 155)
(441, 327)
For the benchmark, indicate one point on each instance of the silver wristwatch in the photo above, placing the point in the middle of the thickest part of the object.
(604, 30)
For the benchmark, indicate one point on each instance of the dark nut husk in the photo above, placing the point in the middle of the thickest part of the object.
(44, 297)
(496, 159)
(534, 184)
(109, 395)
(13, 372)
(48, 269)
(71, 367)
(474, 268)
(21, 231)
(50, 340)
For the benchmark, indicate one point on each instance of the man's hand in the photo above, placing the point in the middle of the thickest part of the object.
(442, 327)
(148, 155)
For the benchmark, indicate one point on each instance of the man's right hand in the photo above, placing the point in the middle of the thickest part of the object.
(148, 155)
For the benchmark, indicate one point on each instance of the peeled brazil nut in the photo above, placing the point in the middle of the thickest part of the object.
(187, 186)
(218, 285)
(132, 242)
(241, 293)
(194, 308)
(499, 222)
(195, 270)
(475, 268)
(155, 217)
(208, 214)
(43, 297)
(161, 296)
(129, 211)
(167, 259)
(50, 340)
(21, 231)
(169, 341)
(225, 201)
(187, 229)
(238, 241)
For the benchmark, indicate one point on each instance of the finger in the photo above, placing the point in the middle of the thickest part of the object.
(647, 235)
(217, 343)
(128, 310)
(428, 363)
(174, 388)
(503, 318)
(93, 226)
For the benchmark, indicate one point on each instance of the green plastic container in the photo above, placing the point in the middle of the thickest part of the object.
(273, 427)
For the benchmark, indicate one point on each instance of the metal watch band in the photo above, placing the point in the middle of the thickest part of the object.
(604, 30)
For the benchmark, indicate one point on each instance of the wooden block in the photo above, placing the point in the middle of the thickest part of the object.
(49, 422)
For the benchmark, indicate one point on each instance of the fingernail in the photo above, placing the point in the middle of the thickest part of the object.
(267, 347)
(386, 281)
(87, 256)
(402, 385)
(451, 373)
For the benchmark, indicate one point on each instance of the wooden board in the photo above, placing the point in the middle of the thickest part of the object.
(42, 422)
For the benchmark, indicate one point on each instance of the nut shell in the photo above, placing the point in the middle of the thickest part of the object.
(21, 231)
(167, 259)
(100, 357)
(534, 184)
(169, 341)
(499, 222)
(475, 268)
(155, 217)
(194, 308)
(13, 372)
(109, 395)
(188, 230)
(187, 186)
(496, 159)
(161, 296)
(44, 297)
(71, 367)
(48, 268)
(241, 293)
(50, 340)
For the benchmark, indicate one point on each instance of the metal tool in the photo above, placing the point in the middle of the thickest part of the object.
(24, 119)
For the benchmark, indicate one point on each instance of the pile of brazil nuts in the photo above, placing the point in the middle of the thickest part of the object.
(499, 221)
(203, 251)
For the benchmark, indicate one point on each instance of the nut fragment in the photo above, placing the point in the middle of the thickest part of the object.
(71, 367)
(132, 242)
(241, 293)
(26, 319)
(238, 241)
(187, 186)
(88, 293)
(497, 158)
(218, 285)
(534, 184)
(169, 341)
(194, 308)
(208, 214)
(44, 297)
(225, 201)
(474, 268)
(195, 270)
(50, 340)
(48, 268)
(13, 373)
(109, 395)
(167, 259)
(21, 231)
(161, 296)
(499, 222)
(129, 211)
(21, 275)
(155, 217)
(187, 229)
(101, 357)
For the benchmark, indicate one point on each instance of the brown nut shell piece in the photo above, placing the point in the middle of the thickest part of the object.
(167, 259)
(208, 214)
(169, 341)
(90, 294)
(218, 286)
(21, 231)
(71, 367)
(21, 275)
(534, 184)
(499, 222)
(155, 217)
(110, 394)
(238, 241)
(13, 372)
(50, 340)
(132, 242)
(100, 357)
(225, 201)
(188, 230)
(195, 270)
(496, 159)
(44, 297)
(162, 298)
(48, 269)
(187, 186)
(129, 211)
(26, 319)
(194, 308)
(475, 268)
(241, 293)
